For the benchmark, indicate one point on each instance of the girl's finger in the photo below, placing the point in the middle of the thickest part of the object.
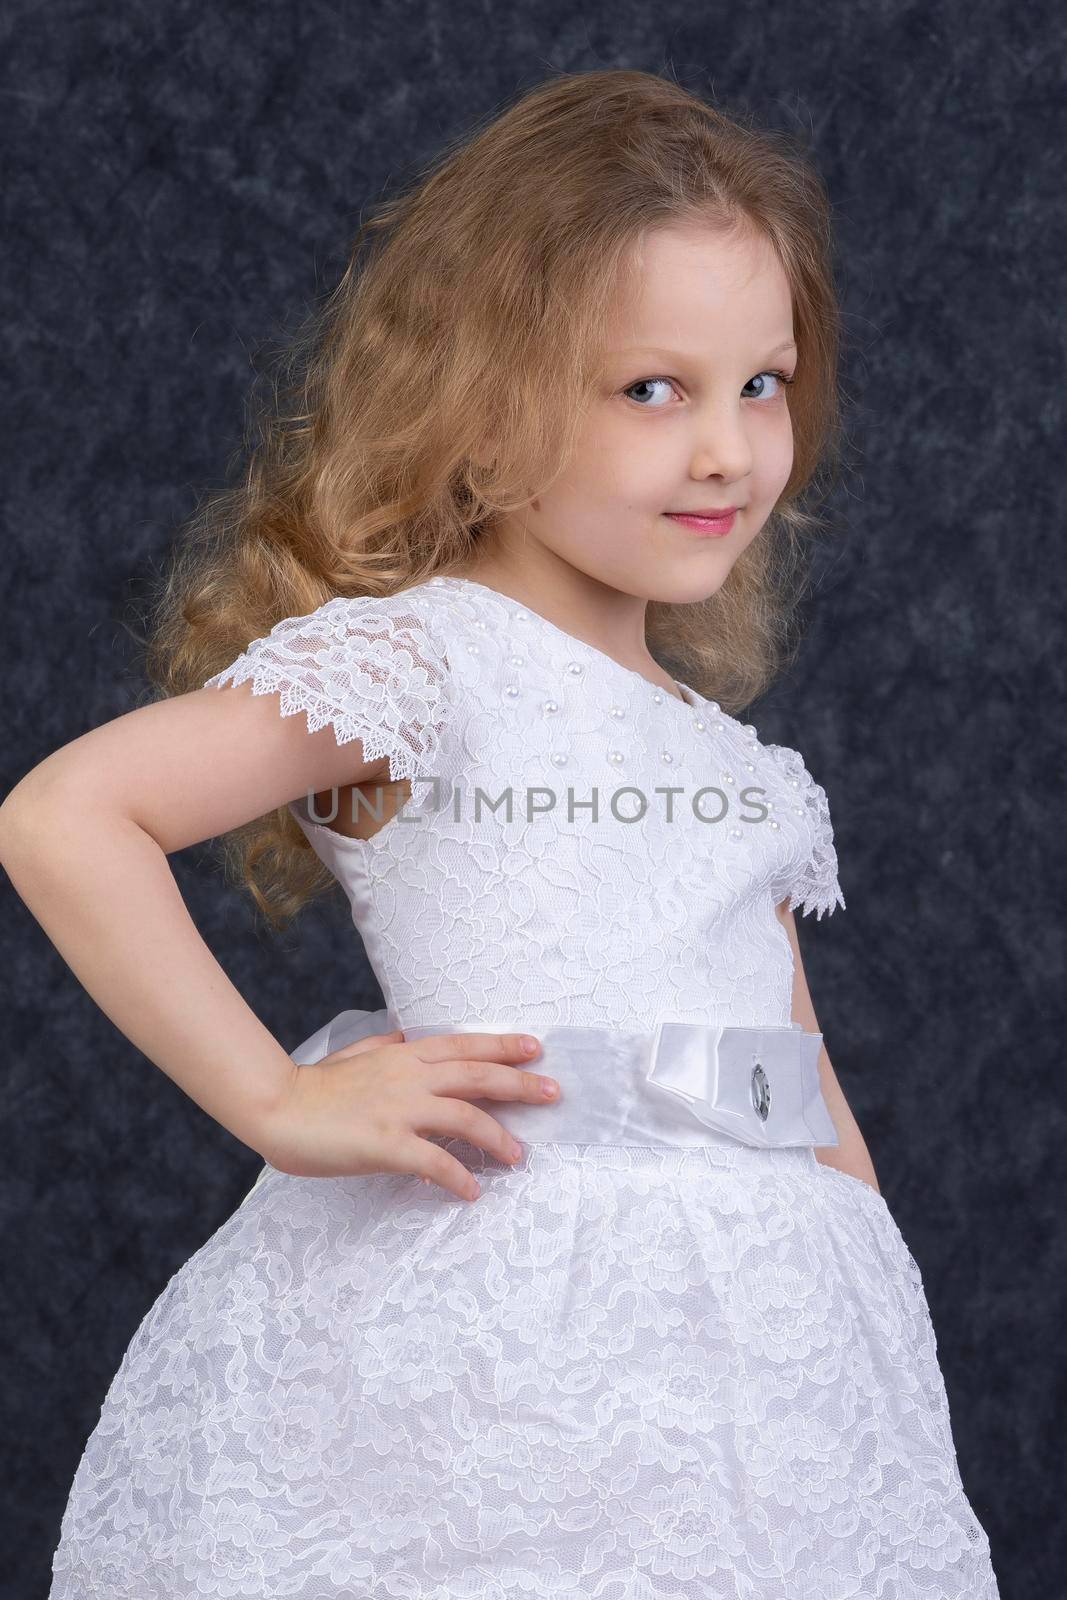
(373, 1041)
(509, 1048)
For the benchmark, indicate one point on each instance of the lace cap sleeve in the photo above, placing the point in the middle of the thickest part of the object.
(812, 881)
(364, 665)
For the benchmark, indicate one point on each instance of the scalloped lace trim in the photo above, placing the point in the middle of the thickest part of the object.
(362, 665)
(815, 887)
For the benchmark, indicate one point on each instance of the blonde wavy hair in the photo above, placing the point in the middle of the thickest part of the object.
(423, 398)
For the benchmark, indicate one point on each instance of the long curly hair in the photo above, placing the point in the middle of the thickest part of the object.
(446, 374)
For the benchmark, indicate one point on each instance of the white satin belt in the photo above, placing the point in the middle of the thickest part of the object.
(685, 1083)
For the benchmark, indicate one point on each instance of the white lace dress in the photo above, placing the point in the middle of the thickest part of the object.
(624, 1372)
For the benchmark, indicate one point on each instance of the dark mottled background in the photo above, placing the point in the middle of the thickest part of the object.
(182, 181)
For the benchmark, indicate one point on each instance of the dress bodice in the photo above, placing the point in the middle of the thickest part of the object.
(581, 847)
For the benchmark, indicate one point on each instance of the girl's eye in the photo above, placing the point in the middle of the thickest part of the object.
(643, 383)
(646, 383)
(781, 377)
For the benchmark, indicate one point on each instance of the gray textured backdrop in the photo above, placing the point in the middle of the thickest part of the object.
(183, 180)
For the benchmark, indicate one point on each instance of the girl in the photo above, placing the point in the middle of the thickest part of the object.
(624, 1314)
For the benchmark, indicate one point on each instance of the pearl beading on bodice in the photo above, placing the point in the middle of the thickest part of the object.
(559, 915)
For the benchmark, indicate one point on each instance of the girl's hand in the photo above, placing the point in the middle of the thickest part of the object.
(366, 1107)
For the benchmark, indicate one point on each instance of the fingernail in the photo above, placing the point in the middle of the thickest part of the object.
(528, 1044)
(548, 1088)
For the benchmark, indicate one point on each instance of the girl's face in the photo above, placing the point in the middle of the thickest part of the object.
(690, 414)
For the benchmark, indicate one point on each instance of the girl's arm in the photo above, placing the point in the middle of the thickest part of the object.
(851, 1156)
(85, 837)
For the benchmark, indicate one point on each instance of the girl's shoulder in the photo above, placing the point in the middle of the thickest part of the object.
(410, 658)
(816, 885)
(374, 667)
(353, 626)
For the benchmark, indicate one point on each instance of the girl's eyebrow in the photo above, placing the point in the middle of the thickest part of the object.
(680, 355)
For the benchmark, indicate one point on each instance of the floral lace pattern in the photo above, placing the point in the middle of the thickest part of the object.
(675, 1374)
(364, 667)
(624, 1372)
(571, 906)
(815, 886)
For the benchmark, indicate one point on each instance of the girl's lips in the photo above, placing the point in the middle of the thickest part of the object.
(706, 525)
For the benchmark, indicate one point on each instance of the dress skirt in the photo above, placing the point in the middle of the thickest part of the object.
(624, 1372)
